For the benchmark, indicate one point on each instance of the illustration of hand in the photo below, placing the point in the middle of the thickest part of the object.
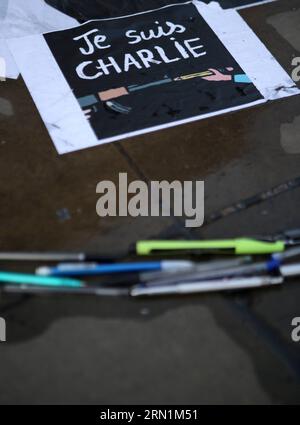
(217, 76)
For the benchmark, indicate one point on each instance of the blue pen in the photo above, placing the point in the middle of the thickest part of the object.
(94, 269)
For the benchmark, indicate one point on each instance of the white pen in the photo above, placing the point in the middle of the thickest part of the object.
(206, 286)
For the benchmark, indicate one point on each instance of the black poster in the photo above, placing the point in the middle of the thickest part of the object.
(228, 4)
(150, 70)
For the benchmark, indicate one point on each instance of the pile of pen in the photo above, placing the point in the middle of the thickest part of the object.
(160, 267)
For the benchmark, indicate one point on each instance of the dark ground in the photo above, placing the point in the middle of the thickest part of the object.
(233, 348)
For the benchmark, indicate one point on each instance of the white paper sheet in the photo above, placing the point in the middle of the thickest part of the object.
(6, 59)
(26, 17)
(3, 9)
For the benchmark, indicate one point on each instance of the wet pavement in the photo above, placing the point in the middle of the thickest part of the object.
(233, 348)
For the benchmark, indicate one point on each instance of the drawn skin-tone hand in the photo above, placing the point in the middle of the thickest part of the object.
(217, 76)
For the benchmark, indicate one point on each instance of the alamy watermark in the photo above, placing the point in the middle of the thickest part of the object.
(296, 70)
(296, 329)
(158, 198)
(2, 330)
(289, 131)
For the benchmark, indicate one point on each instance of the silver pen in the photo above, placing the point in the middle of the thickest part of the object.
(206, 286)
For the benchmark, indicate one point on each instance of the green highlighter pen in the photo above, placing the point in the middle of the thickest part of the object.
(241, 246)
(34, 280)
